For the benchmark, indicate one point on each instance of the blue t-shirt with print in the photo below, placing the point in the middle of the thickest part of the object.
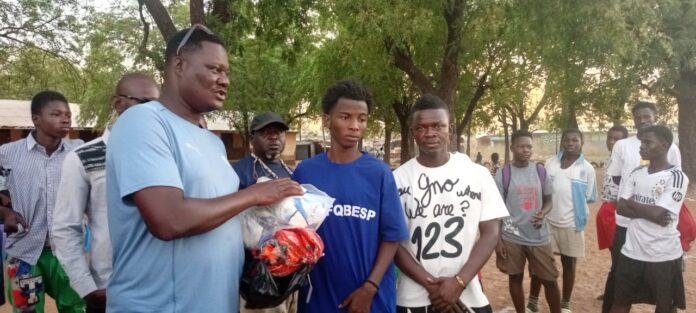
(151, 146)
(367, 210)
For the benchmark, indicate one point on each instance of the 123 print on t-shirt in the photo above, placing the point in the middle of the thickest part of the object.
(434, 200)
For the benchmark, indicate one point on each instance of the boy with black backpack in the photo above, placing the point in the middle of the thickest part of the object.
(525, 235)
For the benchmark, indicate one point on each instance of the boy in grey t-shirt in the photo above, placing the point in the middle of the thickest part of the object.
(525, 235)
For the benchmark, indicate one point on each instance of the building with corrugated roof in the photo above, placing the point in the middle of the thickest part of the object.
(15, 124)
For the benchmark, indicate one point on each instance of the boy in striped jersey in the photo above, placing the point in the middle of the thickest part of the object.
(650, 265)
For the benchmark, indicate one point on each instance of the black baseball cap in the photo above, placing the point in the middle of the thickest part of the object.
(267, 118)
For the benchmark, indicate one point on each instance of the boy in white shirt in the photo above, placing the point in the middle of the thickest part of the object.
(624, 159)
(650, 265)
(574, 186)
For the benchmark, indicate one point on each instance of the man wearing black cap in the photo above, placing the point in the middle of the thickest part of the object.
(268, 141)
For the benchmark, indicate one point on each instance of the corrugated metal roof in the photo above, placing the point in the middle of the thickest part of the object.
(17, 114)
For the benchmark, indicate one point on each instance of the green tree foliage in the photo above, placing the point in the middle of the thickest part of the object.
(660, 38)
(261, 80)
(28, 70)
(522, 64)
(48, 25)
(39, 48)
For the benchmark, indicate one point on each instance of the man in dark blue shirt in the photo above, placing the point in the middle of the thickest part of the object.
(268, 142)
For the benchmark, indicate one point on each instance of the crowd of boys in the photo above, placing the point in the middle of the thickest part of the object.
(160, 205)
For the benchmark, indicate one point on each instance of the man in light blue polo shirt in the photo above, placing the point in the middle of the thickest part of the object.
(172, 195)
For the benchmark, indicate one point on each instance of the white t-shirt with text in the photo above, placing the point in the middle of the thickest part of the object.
(645, 240)
(443, 207)
(625, 157)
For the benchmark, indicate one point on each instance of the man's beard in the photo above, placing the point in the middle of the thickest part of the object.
(271, 156)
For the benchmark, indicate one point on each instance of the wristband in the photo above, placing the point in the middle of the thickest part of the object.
(460, 281)
(372, 283)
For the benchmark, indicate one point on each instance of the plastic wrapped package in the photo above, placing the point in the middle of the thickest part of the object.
(306, 211)
(281, 246)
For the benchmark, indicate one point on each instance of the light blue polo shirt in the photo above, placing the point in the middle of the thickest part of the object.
(151, 146)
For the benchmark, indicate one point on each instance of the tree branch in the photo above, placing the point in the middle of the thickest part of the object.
(221, 10)
(478, 94)
(449, 73)
(545, 99)
(32, 45)
(292, 118)
(24, 27)
(143, 44)
(197, 12)
(651, 89)
(161, 16)
(404, 61)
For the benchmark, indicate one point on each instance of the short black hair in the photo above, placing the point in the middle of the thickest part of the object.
(619, 128)
(572, 131)
(41, 99)
(661, 132)
(495, 156)
(643, 105)
(429, 102)
(519, 134)
(194, 42)
(348, 89)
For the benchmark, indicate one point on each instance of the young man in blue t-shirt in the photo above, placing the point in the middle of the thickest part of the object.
(363, 229)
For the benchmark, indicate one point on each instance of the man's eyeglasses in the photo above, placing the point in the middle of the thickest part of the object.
(136, 99)
(189, 33)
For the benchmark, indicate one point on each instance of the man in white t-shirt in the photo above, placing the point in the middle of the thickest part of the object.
(650, 266)
(573, 183)
(624, 159)
(447, 200)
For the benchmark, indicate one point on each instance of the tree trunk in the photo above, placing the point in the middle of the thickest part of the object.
(450, 70)
(405, 138)
(481, 87)
(507, 144)
(197, 12)
(402, 111)
(507, 135)
(524, 124)
(156, 57)
(448, 80)
(686, 100)
(387, 144)
(412, 147)
(246, 135)
(468, 140)
(570, 116)
(161, 16)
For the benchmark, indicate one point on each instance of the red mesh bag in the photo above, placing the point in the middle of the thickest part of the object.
(289, 249)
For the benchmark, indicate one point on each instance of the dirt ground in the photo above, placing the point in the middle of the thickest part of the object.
(589, 281)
